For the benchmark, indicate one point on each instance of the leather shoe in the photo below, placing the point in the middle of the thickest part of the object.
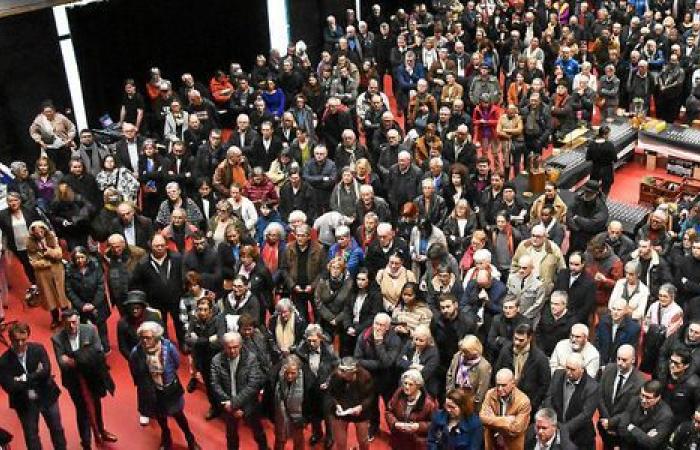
(193, 446)
(108, 437)
(314, 439)
(192, 385)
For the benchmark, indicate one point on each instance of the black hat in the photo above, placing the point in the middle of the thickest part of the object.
(509, 185)
(591, 186)
(136, 298)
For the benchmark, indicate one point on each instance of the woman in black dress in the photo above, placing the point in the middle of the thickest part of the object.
(601, 153)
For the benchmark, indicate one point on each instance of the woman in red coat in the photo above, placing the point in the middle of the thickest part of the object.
(409, 413)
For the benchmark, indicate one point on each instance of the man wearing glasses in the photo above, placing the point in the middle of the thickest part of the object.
(681, 385)
(577, 343)
(648, 422)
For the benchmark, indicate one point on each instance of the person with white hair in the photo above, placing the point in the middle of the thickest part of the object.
(409, 412)
(402, 181)
(422, 355)
(153, 364)
(632, 291)
(616, 328)
(547, 258)
(577, 343)
(175, 199)
(236, 382)
(574, 395)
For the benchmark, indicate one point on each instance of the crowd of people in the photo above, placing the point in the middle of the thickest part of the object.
(326, 261)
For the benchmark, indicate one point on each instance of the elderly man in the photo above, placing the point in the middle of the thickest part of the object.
(546, 256)
(577, 343)
(136, 229)
(349, 151)
(483, 297)
(389, 153)
(402, 182)
(301, 266)
(376, 350)
(615, 329)
(387, 243)
(460, 149)
(618, 241)
(619, 384)
(236, 382)
(547, 433)
(505, 413)
(555, 322)
(574, 395)
(120, 261)
(527, 289)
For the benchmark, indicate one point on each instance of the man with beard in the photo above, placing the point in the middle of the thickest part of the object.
(91, 152)
(576, 343)
(618, 240)
(587, 216)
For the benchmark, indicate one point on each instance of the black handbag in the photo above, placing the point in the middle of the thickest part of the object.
(171, 392)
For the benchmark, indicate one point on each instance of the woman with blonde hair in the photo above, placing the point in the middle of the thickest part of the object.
(469, 369)
(45, 256)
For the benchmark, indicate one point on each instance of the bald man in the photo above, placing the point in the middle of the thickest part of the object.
(620, 383)
(505, 413)
(524, 286)
(618, 241)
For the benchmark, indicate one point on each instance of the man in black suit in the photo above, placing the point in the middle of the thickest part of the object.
(387, 243)
(681, 384)
(297, 194)
(25, 374)
(266, 148)
(236, 364)
(136, 229)
(209, 155)
(574, 395)
(160, 277)
(547, 433)
(555, 323)
(178, 166)
(243, 136)
(579, 286)
(620, 383)
(84, 374)
(528, 363)
(648, 421)
(130, 148)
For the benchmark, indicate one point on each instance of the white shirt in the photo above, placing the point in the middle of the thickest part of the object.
(233, 365)
(625, 376)
(130, 233)
(74, 341)
(205, 208)
(547, 445)
(133, 154)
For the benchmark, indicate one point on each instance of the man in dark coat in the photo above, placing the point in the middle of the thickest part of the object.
(587, 217)
(620, 383)
(335, 120)
(204, 260)
(266, 148)
(84, 374)
(321, 174)
(160, 277)
(615, 329)
(136, 312)
(25, 374)
(136, 229)
(386, 244)
(574, 395)
(377, 349)
(681, 385)
(547, 433)
(297, 194)
(688, 275)
(449, 327)
(402, 183)
(500, 333)
(646, 413)
(688, 338)
(209, 155)
(236, 364)
(321, 360)
(532, 374)
(579, 287)
(83, 183)
(555, 322)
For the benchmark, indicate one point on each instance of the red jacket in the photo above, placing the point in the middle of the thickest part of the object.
(217, 86)
(422, 413)
(264, 191)
(167, 233)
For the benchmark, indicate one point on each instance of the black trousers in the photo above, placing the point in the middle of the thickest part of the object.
(82, 416)
(173, 310)
(253, 421)
(29, 417)
(28, 269)
(166, 438)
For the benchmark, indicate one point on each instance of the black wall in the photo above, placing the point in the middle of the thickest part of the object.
(31, 70)
(120, 39)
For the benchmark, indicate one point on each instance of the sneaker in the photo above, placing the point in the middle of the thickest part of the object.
(143, 421)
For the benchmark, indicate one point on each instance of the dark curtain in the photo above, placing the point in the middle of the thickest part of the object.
(120, 39)
(31, 71)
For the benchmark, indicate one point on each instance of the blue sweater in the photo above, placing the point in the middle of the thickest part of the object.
(467, 435)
